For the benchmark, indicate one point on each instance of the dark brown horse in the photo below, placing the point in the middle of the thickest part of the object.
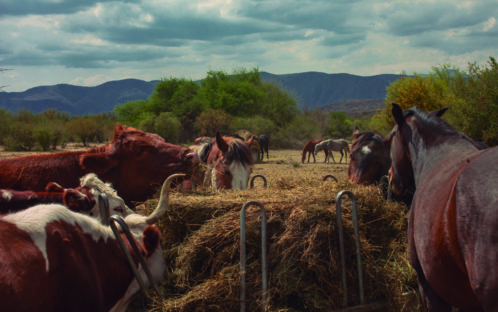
(309, 149)
(453, 225)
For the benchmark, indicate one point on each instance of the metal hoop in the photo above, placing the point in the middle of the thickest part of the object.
(258, 176)
(341, 245)
(325, 178)
(131, 240)
(264, 268)
(104, 208)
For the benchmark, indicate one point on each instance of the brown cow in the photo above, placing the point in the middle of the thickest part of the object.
(53, 259)
(135, 163)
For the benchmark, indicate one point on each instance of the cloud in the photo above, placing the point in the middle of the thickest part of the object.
(89, 40)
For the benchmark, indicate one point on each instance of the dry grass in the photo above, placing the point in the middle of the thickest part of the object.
(201, 243)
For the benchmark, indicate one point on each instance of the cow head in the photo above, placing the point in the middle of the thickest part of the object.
(135, 162)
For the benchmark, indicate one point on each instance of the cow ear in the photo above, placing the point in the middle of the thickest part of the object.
(222, 145)
(397, 113)
(54, 188)
(151, 239)
(77, 201)
(98, 163)
(439, 113)
(356, 132)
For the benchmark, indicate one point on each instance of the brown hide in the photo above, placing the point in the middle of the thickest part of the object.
(135, 163)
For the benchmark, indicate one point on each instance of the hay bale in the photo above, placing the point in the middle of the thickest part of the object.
(201, 246)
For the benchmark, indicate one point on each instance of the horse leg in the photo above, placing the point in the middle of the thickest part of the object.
(332, 155)
(340, 160)
(267, 157)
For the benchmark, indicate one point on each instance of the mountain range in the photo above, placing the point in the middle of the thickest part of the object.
(312, 90)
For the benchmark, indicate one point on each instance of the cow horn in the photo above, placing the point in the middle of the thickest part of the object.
(163, 200)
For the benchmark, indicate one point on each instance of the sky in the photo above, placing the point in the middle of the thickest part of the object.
(89, 42)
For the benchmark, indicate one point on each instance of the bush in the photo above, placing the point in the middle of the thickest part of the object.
(44, 137)
(20, 138)
(168, 127)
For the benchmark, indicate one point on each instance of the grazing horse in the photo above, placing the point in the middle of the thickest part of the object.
(370, 157)
(453, 224)
(264, 142)
(309, 149)
(333, 145)
(229, 163)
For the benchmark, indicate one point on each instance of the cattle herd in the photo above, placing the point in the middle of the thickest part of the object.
(57, 252)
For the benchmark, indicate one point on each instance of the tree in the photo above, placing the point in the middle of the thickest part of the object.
(83, 128)
(475, 112)
(212, 120)
(168, 127)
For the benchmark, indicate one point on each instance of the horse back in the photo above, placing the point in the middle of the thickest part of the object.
(455, 229)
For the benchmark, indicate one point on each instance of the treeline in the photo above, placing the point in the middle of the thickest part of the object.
(471, 96)
(180, 110)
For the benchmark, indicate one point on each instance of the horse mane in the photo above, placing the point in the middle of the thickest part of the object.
(434, 129)
(367, 136)
(239, 151)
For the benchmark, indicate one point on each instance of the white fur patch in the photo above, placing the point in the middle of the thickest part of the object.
(35, 219)
(7, 195)
(240, 175)
(366, 150)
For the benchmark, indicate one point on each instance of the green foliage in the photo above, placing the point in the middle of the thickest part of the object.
(5, 124)
(20, 137)
(296, 134)
(168, 127)
(475, 110)
(257, 125)
(43, 136)
(340, 126)
(83, 128)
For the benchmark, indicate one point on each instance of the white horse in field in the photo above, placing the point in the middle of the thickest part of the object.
(333, 145)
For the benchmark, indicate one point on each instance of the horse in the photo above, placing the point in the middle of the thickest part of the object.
(246, 135)
(333, 145)
(309, 149)
(229, 163)
(453, 224)
(264, 142)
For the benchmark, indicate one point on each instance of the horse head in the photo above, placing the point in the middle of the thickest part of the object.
(229, 163)
(401, 137)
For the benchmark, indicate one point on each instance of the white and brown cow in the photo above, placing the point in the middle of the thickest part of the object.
(83, 198)
(53, 259)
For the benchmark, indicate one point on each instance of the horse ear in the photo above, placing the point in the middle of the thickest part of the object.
(222, 145)
(439, 113)
(356, 132)
(397, 112)
(249, 142)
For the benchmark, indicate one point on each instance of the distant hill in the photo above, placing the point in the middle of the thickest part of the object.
(312, 90)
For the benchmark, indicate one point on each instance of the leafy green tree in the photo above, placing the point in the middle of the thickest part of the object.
(278, 106)
(296, 133)
(475, 110)
(83, 128)
(132, 113)
(20, 138)
(5, 124)
(43, 136)
(257, 125)
(340, 126)
(168, 127)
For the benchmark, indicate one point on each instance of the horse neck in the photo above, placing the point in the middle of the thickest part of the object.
(444, 157)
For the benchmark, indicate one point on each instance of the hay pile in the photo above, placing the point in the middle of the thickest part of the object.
(201, 248)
